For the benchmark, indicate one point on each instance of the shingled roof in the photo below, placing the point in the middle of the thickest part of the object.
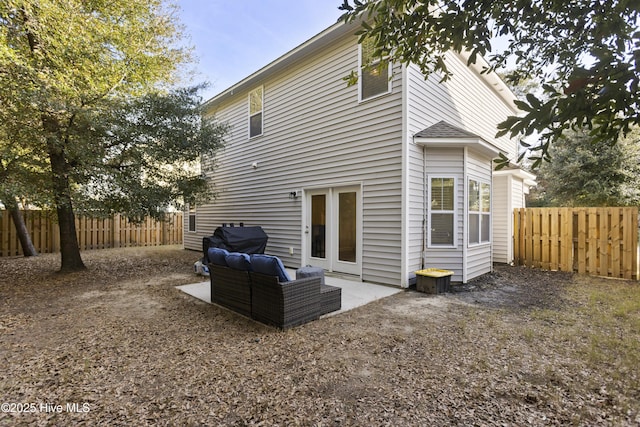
(443, 129)
(444, 135)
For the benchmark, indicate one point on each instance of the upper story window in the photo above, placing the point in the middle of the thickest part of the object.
(374, 79)
(479, 212)
(192, 219)
(442, 212)
(255, 112)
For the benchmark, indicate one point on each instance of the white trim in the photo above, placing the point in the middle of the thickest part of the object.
(492, 80)
(192, 211)
(481, 213)
(323, 39)
(478, 144)
(336, 264)
(465, 218)
(510, 235)
(389, 82)
(249, 115)
(454, 212)
(320, 40)
(528, 178)
(405, 203)
(331, 261)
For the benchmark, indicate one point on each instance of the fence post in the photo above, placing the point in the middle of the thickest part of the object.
(616, 241)
(516, 236)
(163, 229)
(630, 255)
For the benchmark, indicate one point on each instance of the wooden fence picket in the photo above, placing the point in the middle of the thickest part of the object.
(595, 241)
(92, 233)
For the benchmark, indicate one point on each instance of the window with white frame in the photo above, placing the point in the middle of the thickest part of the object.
(442, 211)
(374, 74)
(192, 219)
(255, 111)
(479, 212)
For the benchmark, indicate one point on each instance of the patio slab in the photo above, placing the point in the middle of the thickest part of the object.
(354, 292)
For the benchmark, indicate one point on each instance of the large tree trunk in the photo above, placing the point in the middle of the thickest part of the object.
(21, 228)
(69, 249)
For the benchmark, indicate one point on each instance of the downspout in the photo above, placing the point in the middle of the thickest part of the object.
(465, 213)
(425, 193)
(406, 195)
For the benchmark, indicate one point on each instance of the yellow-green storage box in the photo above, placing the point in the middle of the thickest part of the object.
(433, 280)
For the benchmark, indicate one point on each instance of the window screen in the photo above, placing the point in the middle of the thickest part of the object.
(374, 77)
(255, 112)
(479, 212)
(442, 212)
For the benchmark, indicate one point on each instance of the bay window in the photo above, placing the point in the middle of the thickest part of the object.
(479, 212)
(442, 211)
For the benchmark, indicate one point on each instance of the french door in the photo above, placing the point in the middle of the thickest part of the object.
(333, 229)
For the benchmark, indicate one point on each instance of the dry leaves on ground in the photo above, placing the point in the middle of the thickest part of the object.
(516, 347)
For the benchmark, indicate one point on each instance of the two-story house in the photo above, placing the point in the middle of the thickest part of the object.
(375, 180)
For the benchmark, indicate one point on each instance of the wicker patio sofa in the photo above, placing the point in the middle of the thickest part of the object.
(284, 304)
(257, 286)
(231, 288)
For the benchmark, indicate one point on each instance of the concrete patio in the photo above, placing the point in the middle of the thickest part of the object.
(354, 292)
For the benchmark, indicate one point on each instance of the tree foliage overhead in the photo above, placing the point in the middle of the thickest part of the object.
(586, 53)
(88, 116)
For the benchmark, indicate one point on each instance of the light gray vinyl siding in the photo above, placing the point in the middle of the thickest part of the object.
(465, 101)
(501, 219)
(508, 195)
(315, 134)
(423, 110)
(480, 109)
(448, 162)
(478, 257)
(517, 193)
(417, 205)
(517, 202)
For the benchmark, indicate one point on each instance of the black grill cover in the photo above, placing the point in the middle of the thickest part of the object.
(248, 240)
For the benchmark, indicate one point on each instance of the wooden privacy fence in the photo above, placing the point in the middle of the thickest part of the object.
(595, 241)
(93, 233)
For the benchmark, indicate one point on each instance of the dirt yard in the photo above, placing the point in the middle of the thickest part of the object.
(120, 345)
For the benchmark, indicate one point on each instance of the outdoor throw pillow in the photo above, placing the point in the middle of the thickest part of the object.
(238, 261)
(218, 256)
(269, 265)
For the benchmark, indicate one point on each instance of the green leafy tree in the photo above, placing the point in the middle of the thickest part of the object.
(77, 72)
(588, 172)
(585, 53)
(21, 169)
(145, 153)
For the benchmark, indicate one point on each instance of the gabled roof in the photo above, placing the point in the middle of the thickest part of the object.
(328, 36)
(307, 48)
(445, 135)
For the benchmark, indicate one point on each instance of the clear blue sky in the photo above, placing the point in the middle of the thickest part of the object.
(234, 38)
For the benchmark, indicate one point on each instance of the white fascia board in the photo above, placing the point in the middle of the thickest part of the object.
(318, 41)
(475, 143)
(527, 177)
(492, 80)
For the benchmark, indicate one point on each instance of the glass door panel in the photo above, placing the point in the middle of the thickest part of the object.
(332, 229)
(318, 225)
(347, 227)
